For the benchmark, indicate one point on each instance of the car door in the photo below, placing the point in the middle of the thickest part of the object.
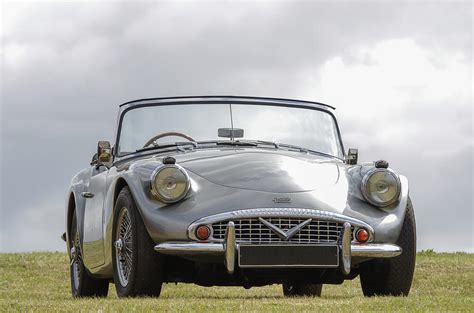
(93, 239)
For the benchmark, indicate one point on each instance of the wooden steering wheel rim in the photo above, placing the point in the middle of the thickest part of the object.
(152, 140)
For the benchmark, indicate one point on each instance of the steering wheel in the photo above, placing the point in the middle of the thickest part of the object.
(155, 138)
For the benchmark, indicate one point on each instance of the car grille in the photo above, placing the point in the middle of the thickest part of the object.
(255, 232)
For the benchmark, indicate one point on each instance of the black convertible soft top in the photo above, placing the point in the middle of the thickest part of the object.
(224, 99)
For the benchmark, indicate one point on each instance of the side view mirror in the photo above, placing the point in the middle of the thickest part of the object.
(352, 156)
(104, 152)
(94, 160)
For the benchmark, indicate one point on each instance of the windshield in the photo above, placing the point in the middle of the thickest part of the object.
(307, 128)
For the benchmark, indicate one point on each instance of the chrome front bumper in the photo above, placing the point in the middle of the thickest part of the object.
(229, 247)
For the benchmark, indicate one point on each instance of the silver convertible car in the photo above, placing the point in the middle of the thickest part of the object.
(236, 191)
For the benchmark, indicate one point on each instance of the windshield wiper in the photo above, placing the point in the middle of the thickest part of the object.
(277, 145)
(229, 143)
(181, 146)
(262, 142)
(304, 150)
(177, 145)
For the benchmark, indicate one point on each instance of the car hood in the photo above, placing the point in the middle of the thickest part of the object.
(261, 170)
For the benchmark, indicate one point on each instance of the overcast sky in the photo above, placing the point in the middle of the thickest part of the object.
(399, 73)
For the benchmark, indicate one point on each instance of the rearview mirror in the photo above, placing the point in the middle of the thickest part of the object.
(230, 132)
(104, 152)
(352, 156)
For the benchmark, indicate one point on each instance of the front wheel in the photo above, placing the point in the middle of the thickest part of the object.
(393, 276)
(137, 267)
(302, 290)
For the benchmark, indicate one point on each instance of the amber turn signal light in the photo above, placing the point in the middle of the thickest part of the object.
(362, 235)
(203, 232)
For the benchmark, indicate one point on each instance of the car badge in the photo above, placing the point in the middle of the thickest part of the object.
(282, 200)
(285, 235)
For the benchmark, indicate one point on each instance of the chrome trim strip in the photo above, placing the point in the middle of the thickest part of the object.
(373, 250)
(189, 248)
(277, 212)
(285, 235)
(230, 248)
(376, 250)
(87, 195)
(124, 108)
(346, 249)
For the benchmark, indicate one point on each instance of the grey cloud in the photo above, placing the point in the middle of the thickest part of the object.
(66, 67)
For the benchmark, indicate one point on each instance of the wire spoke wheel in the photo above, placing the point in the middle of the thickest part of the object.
(137, 268)
(124, 246)
(82, 283)
(76, 258)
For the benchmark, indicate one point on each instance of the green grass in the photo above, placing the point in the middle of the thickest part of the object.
(40, 282)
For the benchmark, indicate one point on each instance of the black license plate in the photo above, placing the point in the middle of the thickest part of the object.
(288, 256)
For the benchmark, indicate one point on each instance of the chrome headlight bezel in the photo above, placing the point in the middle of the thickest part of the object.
(367, 194)
(155, 190)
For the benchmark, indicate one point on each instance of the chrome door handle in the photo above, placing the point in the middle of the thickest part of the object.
(87, 195)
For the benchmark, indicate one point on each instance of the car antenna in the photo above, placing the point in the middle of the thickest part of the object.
(231, 123)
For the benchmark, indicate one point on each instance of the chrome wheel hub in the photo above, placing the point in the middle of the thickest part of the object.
(123, 246)
(73, 255)
(119, 245)
(76, 259)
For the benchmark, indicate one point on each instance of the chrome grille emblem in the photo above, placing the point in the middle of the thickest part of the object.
(282, 200)
(285, 235)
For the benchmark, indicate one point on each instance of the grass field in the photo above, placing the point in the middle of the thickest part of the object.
(40, 282)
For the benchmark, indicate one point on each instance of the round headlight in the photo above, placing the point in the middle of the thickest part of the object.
(169, 183)
(381, 187)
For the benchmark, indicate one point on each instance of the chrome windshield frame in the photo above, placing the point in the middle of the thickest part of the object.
(222, 100)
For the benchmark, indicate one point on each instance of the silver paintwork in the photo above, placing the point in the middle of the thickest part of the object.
(223, 180)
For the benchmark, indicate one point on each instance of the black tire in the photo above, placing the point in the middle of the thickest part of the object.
(137, 267)
(302, 290)
(82, 284)
(393, 276)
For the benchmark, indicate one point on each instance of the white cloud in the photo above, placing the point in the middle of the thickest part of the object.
(399, 90)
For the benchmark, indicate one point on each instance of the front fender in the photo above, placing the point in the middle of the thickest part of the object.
(77, 206)
(387, 222)
(135, 178)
